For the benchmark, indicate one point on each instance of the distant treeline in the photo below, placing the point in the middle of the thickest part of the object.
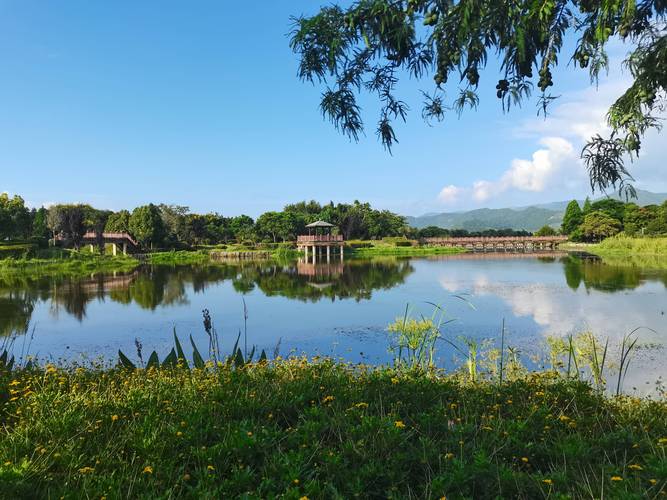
(604, 218)
(438, 232)
(173, 226)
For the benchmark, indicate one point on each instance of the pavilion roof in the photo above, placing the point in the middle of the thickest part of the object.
(320, 223)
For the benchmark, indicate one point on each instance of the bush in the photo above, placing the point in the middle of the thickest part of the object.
(403, 243)
(359, 244)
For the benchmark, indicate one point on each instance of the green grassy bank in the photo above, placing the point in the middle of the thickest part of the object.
(395, 246)
(625, 245)
(298, 429)
(66, 263)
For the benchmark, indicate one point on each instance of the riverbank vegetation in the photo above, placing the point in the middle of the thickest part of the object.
(315, 429)
(397, 247)
(66, 263)
(608, 217)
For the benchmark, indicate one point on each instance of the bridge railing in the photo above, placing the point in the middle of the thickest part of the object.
(497, 239)
(90, 235)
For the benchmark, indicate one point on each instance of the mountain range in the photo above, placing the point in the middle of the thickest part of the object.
(529, 218)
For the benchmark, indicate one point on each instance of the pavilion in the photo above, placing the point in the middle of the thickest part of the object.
(320, 240)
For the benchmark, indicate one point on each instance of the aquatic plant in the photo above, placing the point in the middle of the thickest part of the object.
(176, 356)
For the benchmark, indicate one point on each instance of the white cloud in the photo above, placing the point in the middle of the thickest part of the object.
(533, 175)
(450, 194)
(482, 190)
(555, 167)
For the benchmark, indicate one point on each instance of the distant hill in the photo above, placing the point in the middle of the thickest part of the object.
(528, 218)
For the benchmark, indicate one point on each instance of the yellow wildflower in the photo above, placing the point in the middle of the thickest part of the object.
(653, 481)
(635, 467)
(449, 456)
(524, 460)
(249, 434)
(86, 470)
(148, 470)
(616, 478)
(394, 380)
(399, 424)
(296, 481)
(303, 498)
(662, 441)
(210, 468)
(547, 481)
(114, 418)
(14, 382)
(179, 434)
(328, 399)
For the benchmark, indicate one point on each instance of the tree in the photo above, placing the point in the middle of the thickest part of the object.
(658, 223)
(68, 221)
(146, 225)
(599, 225)
(118, 222)
(96, 221)
(40, 228)
(572, 218)
(14, 217)
(613, 208)
(175, 222)
(546, 231)
(242, 228)
(370, 43)
(278, 225)
(587, 207)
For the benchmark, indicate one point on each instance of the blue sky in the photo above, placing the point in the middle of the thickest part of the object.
(122, 103)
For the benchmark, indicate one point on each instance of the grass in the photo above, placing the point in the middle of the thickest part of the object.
(318, 429)
(212, 255)
(396, 246)
(66, 263)
(181, 257)
(625, 245)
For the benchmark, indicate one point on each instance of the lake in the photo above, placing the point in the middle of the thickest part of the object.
(343, 309)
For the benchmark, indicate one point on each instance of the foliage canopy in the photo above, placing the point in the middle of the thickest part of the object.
(370, 44)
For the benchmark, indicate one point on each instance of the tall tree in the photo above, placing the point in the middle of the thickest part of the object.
(586, 209)
(572, 218)
(40, 228)
(68, 221)
(147, 226)
(368, 44)
(118, 222)
(14, 217)
(598, 225)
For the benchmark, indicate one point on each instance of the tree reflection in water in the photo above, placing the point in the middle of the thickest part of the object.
(151, 287)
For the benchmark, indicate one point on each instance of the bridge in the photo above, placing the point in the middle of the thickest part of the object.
(499, 243)
(124, 241)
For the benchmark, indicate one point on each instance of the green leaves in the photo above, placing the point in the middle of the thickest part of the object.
(353, 49)
(125, 361)
(177, 357)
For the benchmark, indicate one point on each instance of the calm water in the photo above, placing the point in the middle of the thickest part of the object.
(341, 309)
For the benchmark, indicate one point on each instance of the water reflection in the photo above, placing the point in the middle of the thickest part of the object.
(151, 287)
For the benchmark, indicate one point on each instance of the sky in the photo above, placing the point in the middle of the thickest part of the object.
(119, 104)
